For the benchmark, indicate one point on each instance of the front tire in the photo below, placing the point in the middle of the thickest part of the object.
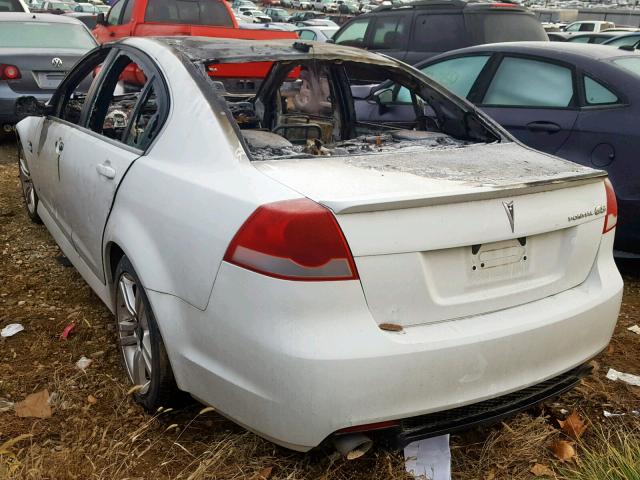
(28, 189)
(142, 350)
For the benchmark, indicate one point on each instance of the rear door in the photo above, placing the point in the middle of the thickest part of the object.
(118, 126)
(535, 99)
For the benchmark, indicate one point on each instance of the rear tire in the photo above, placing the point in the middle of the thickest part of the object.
(142, 350)
(29, 194)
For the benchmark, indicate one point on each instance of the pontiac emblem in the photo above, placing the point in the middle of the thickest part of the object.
(56, 62)
(508, 207)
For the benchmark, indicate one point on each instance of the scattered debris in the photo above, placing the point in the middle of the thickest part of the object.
(563, 450)
(634, 329)
(6, 405)
(429, 458)
(624, 377)
(67, 330)
(264, 474)
(573, 425)
(35, 405)
(612, 415)
(540, 470)
(83, 363)
(11, 329)
(92, 400)
(5, 447)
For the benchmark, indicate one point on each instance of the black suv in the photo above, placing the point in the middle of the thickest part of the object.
(413, 32)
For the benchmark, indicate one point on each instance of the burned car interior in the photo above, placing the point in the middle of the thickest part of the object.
(333, 107)
(305, 105)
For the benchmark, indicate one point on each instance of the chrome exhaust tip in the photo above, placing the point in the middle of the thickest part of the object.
(7, 127)
(353, 445)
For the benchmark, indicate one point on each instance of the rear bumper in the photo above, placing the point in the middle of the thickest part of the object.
(8, 101)
(297, 361)
(482, 413)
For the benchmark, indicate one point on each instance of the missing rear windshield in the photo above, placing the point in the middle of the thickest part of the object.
(333, 108)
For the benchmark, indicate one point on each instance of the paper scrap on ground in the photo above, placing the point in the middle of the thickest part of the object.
(11, 329)
(83, 363)
(429, 459)
(611, 415)
(634, 329)
(624, 377)
(5, 405)
(35, 405)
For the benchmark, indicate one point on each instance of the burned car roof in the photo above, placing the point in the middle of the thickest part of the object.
(238, 51)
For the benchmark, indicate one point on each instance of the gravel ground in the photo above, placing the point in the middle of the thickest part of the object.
(97, 431)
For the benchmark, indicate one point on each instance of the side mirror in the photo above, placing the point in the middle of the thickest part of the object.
(330, 40)
(628, 48)
(30, 107)
(383, 98)
(100, 20)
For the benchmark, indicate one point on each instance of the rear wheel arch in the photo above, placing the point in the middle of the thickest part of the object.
(113, 255)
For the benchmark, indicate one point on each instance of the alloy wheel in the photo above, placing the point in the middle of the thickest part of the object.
(28, 190)
(133, 331)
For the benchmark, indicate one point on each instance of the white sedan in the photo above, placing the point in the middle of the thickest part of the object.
(309, 274)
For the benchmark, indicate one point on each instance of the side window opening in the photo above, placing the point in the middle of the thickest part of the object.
(70, 105)
(390, 32)
(321, 107)
(523, 82)
(113, 17)
(127, 108)
(146, 121)
(354, 34)
(598, 94)
(128, 9)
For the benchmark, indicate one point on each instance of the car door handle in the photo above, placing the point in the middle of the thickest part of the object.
(548, 127)
(106, 170)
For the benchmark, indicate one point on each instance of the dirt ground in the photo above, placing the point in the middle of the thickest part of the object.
(98, 432)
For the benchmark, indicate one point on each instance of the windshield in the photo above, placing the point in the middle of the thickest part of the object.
(631, 64)
(50, 35)
(65, 7)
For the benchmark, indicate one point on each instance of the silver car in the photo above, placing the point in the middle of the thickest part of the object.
(36, 52)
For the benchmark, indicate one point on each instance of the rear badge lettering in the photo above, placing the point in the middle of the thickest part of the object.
(600, 209)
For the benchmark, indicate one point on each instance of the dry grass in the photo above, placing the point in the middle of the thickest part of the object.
(611, 454)
(115, 439)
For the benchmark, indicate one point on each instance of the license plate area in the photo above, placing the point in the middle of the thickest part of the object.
(499, 254)
(50, 80)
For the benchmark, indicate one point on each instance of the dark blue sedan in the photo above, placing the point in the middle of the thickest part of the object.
(580, 102)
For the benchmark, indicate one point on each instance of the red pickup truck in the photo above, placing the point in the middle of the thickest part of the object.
(207, 18)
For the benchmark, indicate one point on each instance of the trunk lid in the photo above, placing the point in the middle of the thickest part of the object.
(450, 233)
(41, 70)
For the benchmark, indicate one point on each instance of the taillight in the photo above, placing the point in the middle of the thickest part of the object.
(9, 72)
(611, 219)
(293, 240)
